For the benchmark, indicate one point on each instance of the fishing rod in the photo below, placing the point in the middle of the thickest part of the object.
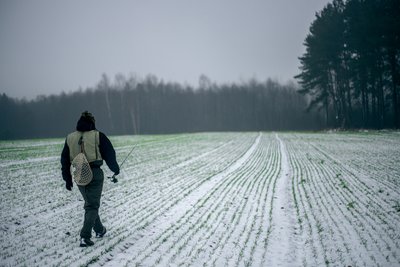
(135, 132)
(113, 178)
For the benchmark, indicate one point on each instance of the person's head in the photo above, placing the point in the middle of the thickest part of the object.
(86, 122)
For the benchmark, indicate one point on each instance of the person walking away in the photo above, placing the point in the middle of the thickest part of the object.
(97, 147)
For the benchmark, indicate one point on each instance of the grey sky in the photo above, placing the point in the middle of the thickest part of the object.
(51, 46)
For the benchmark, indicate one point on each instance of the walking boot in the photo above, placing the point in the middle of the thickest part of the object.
(86, 242)
(102, 233)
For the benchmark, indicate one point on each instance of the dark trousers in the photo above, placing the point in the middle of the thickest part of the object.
(91, 194)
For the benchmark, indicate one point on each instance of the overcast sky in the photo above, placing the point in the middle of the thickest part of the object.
(51, 46)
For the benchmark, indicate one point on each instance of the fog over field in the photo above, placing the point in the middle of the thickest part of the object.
(246, 133)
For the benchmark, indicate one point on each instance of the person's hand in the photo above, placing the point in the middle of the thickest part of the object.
(114, 179)
(68, 186)
(116, 173)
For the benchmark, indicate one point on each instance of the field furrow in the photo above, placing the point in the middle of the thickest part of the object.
(332, 191)
(211, 199)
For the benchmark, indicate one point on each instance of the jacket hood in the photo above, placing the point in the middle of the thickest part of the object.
(85, 125)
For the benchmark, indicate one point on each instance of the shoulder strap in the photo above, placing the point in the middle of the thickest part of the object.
(80, 142)
(95, 143)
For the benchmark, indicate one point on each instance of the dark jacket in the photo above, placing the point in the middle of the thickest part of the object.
(106, 150)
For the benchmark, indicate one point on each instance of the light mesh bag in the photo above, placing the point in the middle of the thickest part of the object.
(80, 168)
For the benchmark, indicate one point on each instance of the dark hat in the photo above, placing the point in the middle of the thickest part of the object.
(86, 122)
(88, 116)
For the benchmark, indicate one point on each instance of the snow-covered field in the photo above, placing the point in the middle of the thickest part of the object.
(211, 199)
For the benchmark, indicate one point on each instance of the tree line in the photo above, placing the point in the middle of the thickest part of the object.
(150, 106)
(351, 67)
